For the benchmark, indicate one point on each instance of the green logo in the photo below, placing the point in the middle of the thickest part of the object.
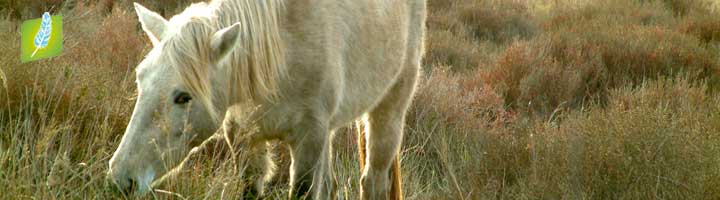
(41, 38)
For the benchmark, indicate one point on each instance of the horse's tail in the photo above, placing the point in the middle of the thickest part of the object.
(395, 176)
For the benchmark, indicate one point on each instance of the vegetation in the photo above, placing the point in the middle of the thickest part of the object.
(537, 99)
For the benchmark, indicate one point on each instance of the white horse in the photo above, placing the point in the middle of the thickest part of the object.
(308, 66)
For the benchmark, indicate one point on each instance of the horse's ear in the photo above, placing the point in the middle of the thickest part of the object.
(152, 23)
(223, 41)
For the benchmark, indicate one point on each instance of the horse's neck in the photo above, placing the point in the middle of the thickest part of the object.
(258, 61)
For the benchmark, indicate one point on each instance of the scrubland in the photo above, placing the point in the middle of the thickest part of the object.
(519, 99)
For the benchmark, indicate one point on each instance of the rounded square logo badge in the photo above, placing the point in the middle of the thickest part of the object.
(41, 38)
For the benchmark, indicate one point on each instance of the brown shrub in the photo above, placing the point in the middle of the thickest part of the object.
(29, 9)
(445, 139)
(497, 21)
(609, 12)
(457, 100)
(652, 141)
(687, 7)
(581, 62)
(23, 9)
(704, 27)
(459, 52)
(465, 34)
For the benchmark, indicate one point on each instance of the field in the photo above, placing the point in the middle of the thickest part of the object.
(519, 99)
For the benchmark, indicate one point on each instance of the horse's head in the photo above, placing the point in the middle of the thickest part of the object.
(173, 113)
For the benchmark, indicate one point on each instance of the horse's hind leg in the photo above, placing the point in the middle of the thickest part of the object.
(386, 123)
(310, 173)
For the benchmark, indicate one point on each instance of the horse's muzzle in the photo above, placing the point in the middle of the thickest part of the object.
(126, 184)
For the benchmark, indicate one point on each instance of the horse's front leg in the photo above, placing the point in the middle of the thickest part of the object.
(254, 157)
(310, 172)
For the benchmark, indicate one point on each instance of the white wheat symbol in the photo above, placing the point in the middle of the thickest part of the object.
(43, 35)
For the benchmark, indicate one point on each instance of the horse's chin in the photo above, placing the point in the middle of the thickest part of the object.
(144, 184)
(140, 192)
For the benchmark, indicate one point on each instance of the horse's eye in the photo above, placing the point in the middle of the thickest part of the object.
(182, 98)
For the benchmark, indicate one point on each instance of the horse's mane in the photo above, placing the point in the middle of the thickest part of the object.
(253, 68)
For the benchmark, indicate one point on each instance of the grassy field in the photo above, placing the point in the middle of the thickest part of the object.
(520, 99)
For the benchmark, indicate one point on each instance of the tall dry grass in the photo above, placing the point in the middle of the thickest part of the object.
(539, 99)
(60, 116)
(657, 140)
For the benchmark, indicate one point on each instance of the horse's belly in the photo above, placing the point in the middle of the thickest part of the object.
(365, 83)
(373, 53)
(360, 50)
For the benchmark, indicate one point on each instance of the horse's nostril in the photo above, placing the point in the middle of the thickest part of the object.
(131, 186)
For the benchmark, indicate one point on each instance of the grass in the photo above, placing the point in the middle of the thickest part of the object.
(539, 99)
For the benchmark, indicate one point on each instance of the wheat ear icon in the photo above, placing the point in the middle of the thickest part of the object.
(43, 35)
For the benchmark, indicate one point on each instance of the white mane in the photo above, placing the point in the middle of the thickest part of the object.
(254, 66)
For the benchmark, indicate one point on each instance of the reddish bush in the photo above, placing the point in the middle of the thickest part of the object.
(465, 34)
(579, 63)
(704, 27)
